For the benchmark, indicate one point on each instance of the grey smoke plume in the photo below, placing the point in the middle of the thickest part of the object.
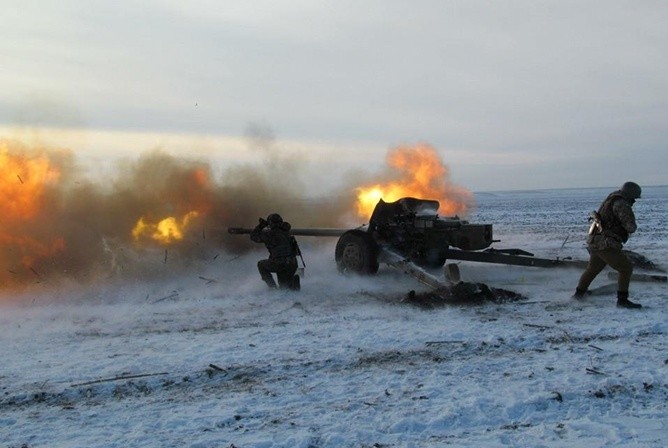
(80, 228)
(59, 223)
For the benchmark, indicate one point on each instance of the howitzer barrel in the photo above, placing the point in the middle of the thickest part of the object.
(294, 231)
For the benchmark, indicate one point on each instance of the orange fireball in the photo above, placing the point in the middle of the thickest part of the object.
(25, 180)
(419, 173)
(165, 231)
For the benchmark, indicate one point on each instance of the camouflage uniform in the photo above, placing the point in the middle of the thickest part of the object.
(282, 259)
(605, 247)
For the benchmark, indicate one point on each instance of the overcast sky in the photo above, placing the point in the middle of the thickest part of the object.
(513, 94)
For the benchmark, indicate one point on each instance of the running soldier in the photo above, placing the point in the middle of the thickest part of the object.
(612, 225)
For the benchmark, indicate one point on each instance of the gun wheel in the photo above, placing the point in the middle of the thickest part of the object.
(357, 252)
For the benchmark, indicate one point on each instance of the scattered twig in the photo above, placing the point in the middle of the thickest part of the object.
(594, 371)
(596, 348)
(20, 180)
(118, 378)
(543, 327)
(215, 367)
(568, 336)
(213, 370)
(165, 261)
(208, 280)
(35, 272)
(173, 295)
(430, 343)
(558, 396)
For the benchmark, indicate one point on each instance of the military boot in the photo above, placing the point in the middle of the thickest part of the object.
(580, 294)
(295, 284)
(624, 302)
(269, 280)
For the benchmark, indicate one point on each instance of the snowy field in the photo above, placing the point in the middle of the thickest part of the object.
(195, 362)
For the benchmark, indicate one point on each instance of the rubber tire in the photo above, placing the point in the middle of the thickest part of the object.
(357, 253)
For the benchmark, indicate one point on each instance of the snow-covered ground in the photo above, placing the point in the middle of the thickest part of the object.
(197, 363)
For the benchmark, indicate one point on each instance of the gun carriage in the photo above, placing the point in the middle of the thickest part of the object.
(408, 234)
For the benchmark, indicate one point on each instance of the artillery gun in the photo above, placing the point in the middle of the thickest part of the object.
(409, 235)
(409, 227)
(412, 229)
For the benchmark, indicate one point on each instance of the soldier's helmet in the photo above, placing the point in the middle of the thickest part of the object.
(274, 219)
(631, 190)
